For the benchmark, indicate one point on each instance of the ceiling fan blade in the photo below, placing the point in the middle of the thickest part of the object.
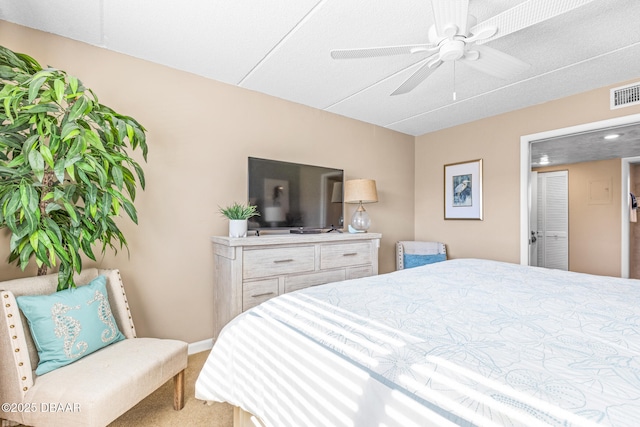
(450, 12)
(526, 14)
(483, 33)
(495, 62)
(371, 52)
(418, 76)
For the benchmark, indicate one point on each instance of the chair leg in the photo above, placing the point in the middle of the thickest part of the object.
(178, 391)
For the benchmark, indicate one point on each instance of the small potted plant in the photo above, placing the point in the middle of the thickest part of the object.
(238, 214)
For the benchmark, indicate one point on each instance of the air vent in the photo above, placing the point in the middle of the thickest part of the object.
(625, 96)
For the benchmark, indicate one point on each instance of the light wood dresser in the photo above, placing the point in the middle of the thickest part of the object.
(250, 270)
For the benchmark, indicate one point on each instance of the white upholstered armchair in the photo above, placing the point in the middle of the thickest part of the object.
(97, 388)
(415, 253)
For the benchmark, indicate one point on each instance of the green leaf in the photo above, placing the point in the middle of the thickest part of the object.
(69, 130)
(116, 174)
(52, 207)
(12, 205)
(46, 155)
(140, 174)
(73, 84)
(65, 277)
(58, 86)
(41, 108)
(58, 170)
(72, 212)
(131, 210)
(34, 239)
(77, 108)
(17, 161)
(14, 242)
(34, 87)
(36, 161)
(25, 256)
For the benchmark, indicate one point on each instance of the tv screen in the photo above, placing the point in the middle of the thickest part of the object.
(294, 196)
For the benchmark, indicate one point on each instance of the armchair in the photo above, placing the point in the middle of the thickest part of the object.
(94, 390)
(414, 253)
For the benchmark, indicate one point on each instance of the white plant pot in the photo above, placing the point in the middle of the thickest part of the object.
(237, 228)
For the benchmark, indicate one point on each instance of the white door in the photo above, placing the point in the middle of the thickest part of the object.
(553, 220)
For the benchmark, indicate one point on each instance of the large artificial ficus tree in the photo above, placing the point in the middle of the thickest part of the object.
(65, 171)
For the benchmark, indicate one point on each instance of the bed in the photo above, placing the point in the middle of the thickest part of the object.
(464, 342)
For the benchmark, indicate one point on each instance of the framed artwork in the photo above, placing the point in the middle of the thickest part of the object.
(463, 190)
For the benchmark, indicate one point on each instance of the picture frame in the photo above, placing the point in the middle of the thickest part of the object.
(463, 190)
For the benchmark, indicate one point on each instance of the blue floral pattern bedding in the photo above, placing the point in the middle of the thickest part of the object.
(463, 343)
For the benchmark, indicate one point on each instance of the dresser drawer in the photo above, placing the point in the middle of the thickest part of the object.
(345, 255)
(358, 272)
(277, 261)
(254, 293)
(294, 283)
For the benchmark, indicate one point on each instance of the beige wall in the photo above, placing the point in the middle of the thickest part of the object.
(594, 217)
(200, 133)
(497, 141)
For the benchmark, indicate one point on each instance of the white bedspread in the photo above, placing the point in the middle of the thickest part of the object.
(462, 342)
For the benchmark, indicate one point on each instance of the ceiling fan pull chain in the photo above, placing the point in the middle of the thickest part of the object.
(454, 80)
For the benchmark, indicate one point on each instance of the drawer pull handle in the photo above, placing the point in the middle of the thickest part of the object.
(262, 295)
(350, 254)
(282, 261)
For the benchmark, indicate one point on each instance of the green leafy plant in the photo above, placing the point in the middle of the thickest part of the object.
(240, 211)
(64, 169)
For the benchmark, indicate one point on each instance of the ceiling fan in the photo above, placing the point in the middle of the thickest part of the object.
(454, 37)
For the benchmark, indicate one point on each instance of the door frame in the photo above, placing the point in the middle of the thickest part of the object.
(626, 227)
(525, 169)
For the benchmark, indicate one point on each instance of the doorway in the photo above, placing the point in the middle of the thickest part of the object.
(525, 184)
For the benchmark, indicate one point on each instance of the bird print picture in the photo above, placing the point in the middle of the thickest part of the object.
(462, 190)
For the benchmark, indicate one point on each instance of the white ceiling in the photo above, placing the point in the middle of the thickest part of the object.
(281, 48)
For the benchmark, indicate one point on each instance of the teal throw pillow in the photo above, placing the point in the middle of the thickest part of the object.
(70, 324)
(411, 260)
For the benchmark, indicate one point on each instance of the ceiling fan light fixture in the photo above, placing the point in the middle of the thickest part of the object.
(452, 50)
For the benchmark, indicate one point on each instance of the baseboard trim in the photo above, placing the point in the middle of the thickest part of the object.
(197, 347)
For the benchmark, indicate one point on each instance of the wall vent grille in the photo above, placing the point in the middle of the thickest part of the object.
(625, 96)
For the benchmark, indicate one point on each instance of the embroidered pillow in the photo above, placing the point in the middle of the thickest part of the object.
(411, 260)
(70, 324)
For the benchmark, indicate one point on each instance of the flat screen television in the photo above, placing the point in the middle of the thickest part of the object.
(298, 197)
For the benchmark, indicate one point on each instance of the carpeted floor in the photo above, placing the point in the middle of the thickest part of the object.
(157, 409)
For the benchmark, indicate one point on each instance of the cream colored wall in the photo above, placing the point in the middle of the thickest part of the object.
(200, 133)
(594, 217)
(497, 141)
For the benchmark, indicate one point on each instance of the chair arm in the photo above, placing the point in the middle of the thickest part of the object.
(119, 302)
(399, 256)
(17, 344)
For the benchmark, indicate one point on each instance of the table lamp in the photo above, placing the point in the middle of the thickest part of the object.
(360, 191)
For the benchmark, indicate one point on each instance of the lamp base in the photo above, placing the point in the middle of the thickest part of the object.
(360, 220)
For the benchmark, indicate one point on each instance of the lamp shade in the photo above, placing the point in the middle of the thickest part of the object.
(360, 191)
